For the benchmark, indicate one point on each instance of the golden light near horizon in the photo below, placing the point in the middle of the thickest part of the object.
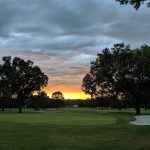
(76, 96)
(69, 91)
(73, 95)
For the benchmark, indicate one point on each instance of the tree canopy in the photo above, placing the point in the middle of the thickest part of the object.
(20, 78)
(120, 70)
(135, 3)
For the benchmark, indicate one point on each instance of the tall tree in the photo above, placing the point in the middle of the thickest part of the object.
(106, 72)
(120, 70)
(25, 78)
(138, 81)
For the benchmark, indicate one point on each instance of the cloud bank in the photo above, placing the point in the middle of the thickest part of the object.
(62, 37)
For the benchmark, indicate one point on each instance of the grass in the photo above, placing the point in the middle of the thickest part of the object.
(69, 129)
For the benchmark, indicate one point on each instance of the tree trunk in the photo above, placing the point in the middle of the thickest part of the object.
(20, 107)
(137, 107)
(137, 98)
(138, 111)
(2, 108)
(2, 104)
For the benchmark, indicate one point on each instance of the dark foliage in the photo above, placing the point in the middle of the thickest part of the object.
(135, 3)
(120, 73)
(19, 79)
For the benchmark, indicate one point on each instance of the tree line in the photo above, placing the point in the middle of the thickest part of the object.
(120, 73)
(41, 102)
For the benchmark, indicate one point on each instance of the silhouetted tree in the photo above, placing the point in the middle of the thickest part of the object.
(58, 99)
(5, 81)
(88, 85)
(24, 77)
(43, 98)
(138, 80)
(107, 72)
(120, 70)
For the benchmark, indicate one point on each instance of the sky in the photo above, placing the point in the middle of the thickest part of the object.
(63, 36)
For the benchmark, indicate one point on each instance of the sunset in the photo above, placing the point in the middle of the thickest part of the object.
(63, 41)
(74, 75)
(69, 91)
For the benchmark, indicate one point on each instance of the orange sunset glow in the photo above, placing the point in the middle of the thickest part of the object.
(69, 91)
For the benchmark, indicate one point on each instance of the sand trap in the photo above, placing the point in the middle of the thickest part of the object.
(141, 120)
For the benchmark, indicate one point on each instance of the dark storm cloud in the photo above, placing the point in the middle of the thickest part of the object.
(49, 25)
(64, 36)
(56, 24)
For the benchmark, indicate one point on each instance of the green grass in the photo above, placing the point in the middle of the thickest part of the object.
(59, 118)
(70, 129)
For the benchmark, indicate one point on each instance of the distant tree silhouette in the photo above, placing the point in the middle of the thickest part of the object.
(43, 99)
(58, 99)
(39, 101)
(23, 78)
(58, 96)
(135, 3)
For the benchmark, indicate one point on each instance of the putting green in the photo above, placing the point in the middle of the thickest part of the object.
(59, 118)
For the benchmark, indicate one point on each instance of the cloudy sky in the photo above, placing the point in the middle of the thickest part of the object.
(63, 36)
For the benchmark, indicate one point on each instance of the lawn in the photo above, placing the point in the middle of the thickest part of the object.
(70, 129)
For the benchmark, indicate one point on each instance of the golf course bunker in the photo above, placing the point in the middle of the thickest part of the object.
(141, 120)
